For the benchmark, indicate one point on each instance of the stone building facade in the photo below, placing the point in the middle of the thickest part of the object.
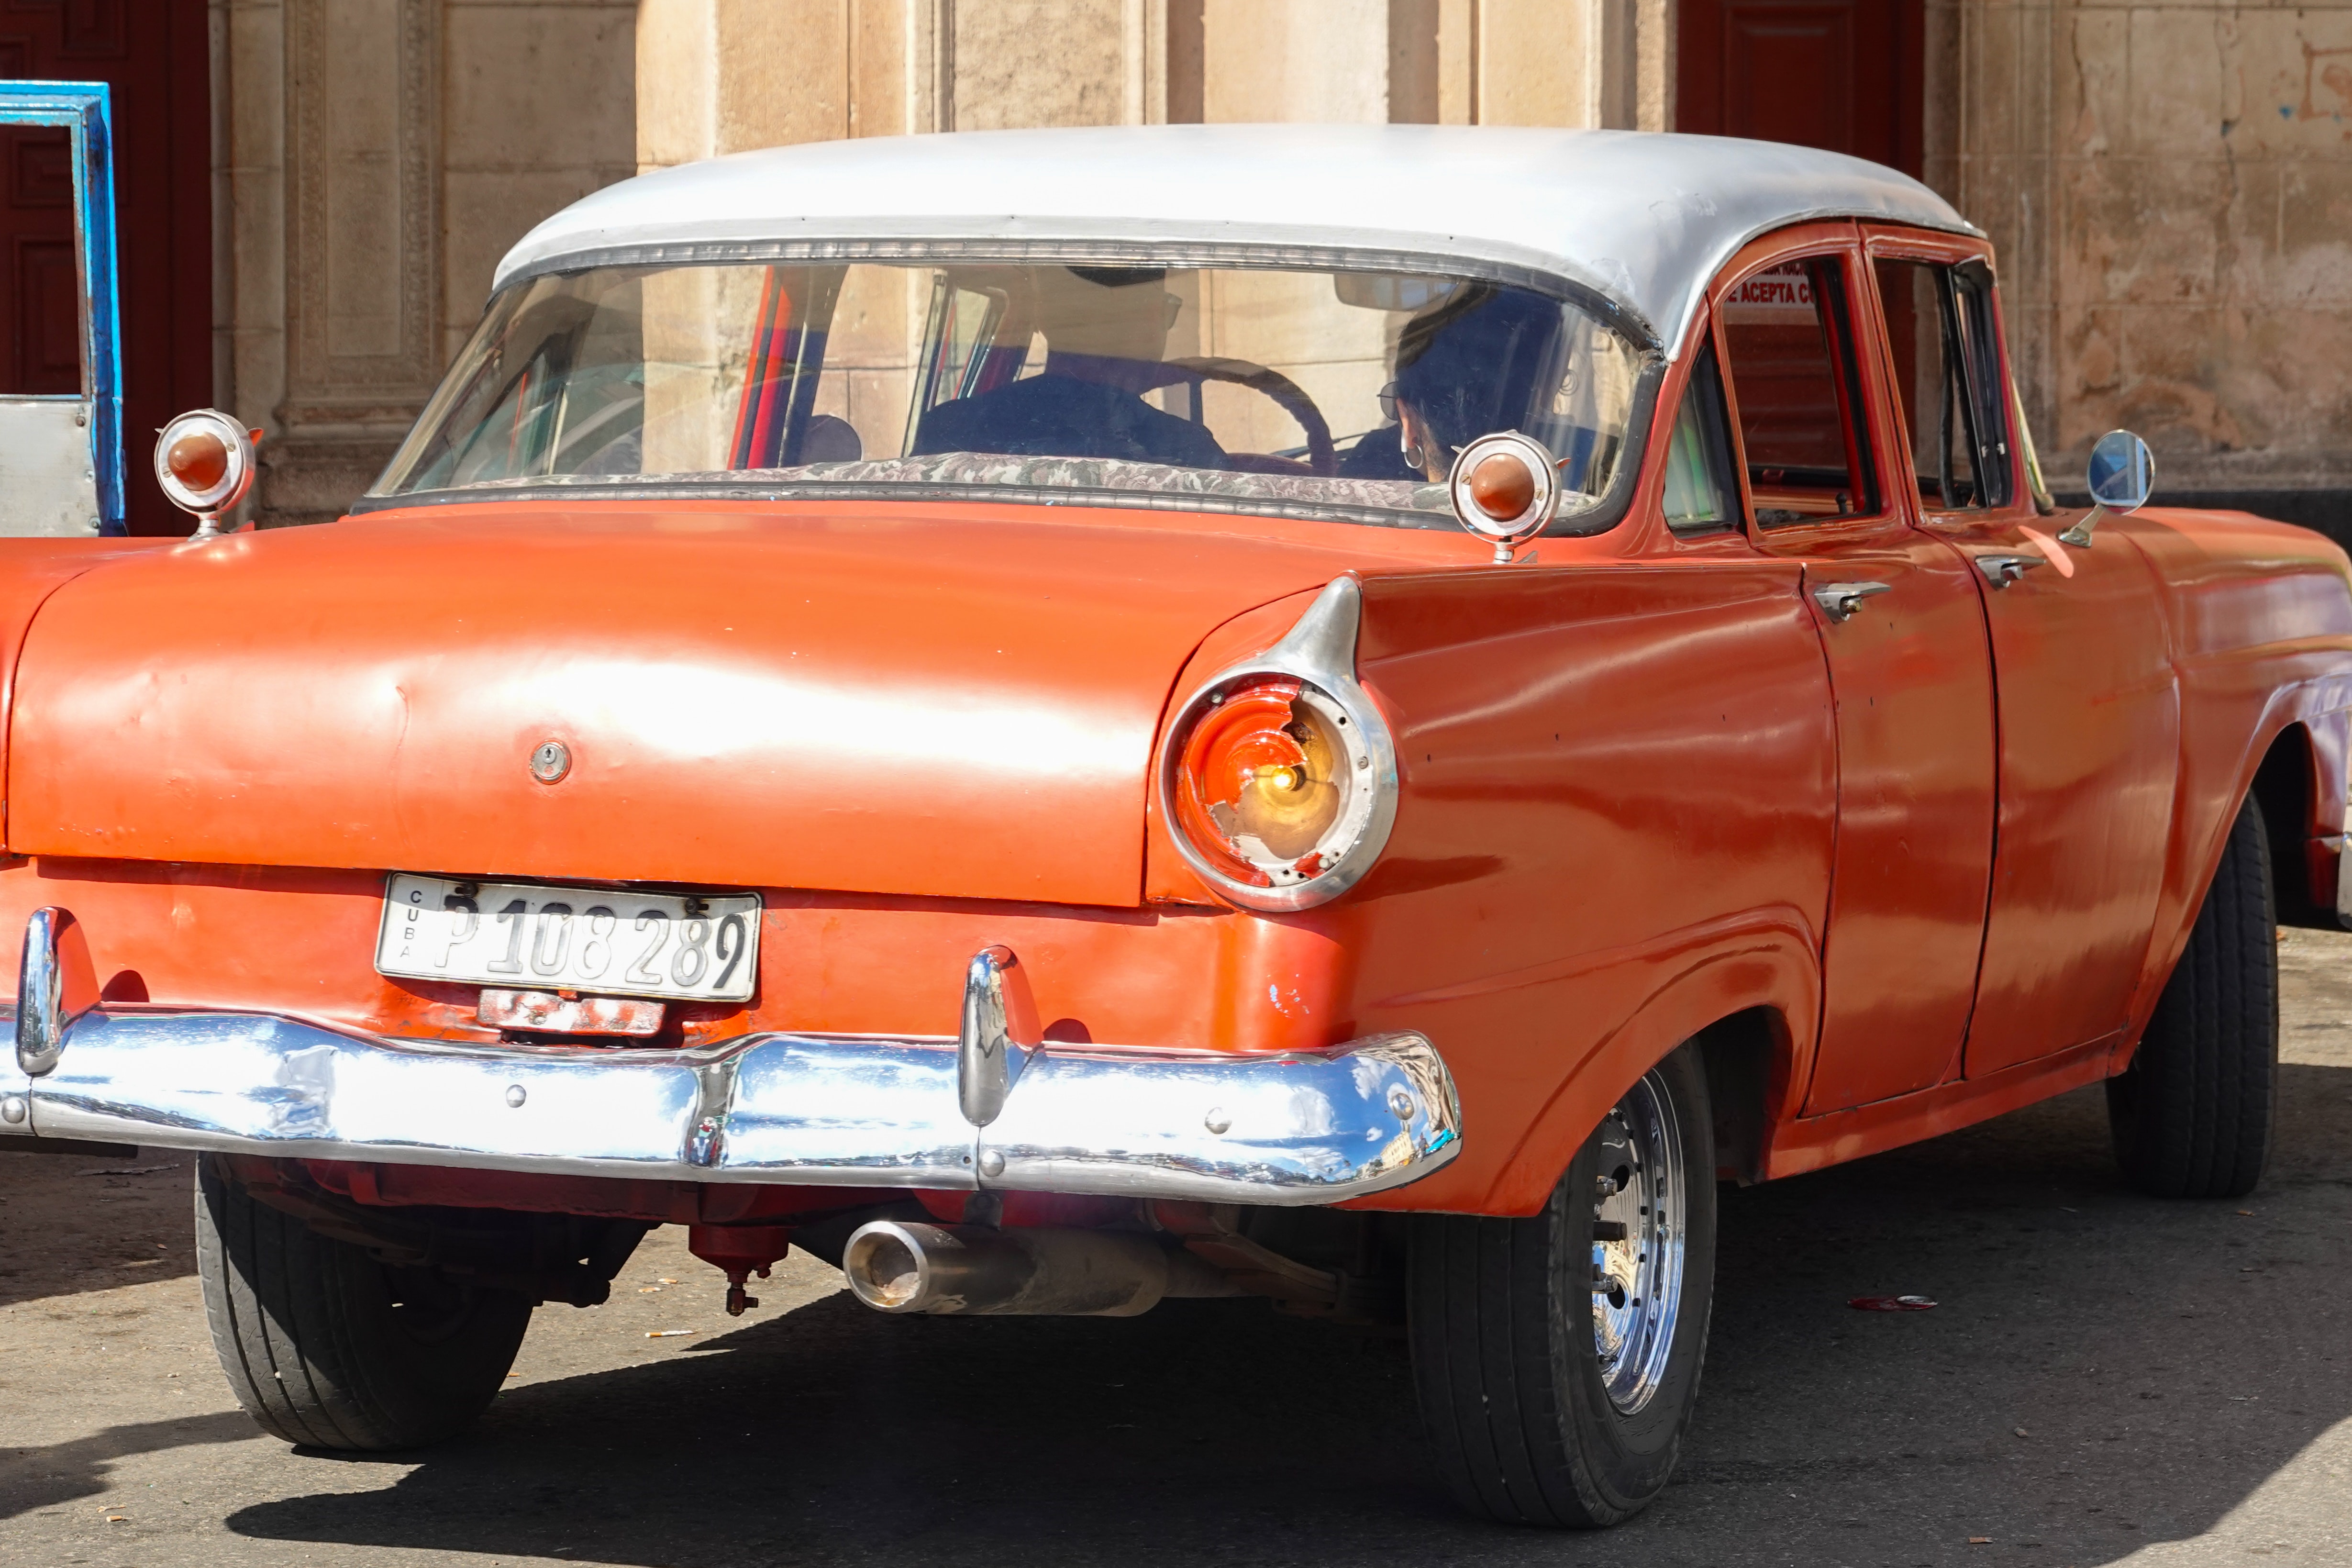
(2169, 185)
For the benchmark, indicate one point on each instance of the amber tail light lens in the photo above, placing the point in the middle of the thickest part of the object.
(1272, 785)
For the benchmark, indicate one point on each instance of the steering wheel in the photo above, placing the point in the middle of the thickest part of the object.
(1321, 459)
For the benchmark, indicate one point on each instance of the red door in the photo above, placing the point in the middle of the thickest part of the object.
(155, 56)
(39, 275)
(1909, 672)
(1844, 75)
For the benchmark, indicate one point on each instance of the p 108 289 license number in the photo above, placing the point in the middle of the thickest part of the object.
(531, 935)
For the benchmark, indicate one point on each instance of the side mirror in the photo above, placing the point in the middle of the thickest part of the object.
(2122, 473)
(204, 461)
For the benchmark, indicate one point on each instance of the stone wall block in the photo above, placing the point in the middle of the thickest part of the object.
(1537, 61)
(1998, 78)
(2293, 70)
(2300, 356)
(540, 86)
(2176, 79)
(678, 81)
(1040, 62)
(2090, 378)
(1323, 60)
(781, 72)
(2310, 229)
(2092, 72)
(2150, 230)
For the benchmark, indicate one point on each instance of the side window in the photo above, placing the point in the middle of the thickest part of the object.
(1789, 336)
(1702, 490)
(1939, 325)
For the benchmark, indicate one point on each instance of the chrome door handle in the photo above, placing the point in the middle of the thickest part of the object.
(2001, 571)
(1839, 601)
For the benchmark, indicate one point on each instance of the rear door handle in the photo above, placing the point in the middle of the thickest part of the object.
(2001, 571)
(1839, 601)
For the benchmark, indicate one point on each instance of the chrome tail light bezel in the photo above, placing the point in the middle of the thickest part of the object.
(1320, 653)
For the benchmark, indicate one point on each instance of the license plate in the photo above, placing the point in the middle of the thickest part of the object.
(571, 938)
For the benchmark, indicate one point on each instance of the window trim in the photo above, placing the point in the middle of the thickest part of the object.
(1862, 395)
(1705, 371)
(1893, 242)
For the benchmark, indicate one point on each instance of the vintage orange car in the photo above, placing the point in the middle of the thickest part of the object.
(1354, 715)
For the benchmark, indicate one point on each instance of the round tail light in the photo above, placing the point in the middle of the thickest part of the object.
(204, 461)
(1274, 788)
(1504, 487)
(1277, 777)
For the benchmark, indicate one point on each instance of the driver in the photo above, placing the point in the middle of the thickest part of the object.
(1106, 329)
(1463, 367)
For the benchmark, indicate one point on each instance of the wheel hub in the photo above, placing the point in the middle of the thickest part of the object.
(1638, 1207)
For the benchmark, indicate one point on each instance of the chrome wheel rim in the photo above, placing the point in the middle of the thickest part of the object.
(1638, 1209)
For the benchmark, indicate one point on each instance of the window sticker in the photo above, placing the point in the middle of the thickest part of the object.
(1779, 296)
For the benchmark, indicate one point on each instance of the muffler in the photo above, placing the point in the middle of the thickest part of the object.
(894, 1266)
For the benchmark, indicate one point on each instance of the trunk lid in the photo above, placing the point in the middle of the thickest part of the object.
(912, 699)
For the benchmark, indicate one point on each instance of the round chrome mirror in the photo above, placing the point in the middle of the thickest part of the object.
(2122, 471)
(1504, 487)
(204, 461)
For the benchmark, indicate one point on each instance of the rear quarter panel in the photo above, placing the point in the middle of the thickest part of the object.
(30, 571)
(1617, 797)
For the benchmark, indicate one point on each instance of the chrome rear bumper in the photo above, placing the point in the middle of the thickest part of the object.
(983, 1110)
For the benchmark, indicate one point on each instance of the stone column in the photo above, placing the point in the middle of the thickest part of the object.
(377, 157)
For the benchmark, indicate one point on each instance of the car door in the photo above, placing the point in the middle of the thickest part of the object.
(2089, 711)
(1904, 638)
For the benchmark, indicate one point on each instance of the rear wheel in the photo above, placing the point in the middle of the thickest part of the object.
(1558, 1356)
(328, 1347)
(2192, 1114)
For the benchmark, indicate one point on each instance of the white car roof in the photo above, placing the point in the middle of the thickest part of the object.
(1642, 219)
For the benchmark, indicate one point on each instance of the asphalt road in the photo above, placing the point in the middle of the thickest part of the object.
(2106, 1379)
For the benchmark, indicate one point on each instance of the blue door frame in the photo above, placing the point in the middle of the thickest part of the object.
(82, 107)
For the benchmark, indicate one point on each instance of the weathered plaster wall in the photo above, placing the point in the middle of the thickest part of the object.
(2170, 186)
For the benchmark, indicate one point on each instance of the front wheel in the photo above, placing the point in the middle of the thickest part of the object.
(326, 1347)
(2192, 1114)
(1558, 1356)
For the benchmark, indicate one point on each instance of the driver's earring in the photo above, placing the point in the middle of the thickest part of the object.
(1411, 450)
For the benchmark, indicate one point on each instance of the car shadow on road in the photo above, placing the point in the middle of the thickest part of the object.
(2101, 1370)
(52, 1473)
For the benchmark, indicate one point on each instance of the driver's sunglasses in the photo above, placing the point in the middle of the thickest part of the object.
(1388, 399)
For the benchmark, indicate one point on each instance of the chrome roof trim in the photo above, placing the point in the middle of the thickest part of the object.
(1642, 219)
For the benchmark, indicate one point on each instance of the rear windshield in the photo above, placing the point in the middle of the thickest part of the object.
(1341, 392)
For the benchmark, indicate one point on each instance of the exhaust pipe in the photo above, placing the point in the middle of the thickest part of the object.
(909, 1268)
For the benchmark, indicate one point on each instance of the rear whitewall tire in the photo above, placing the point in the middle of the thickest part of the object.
(1533, 1420)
